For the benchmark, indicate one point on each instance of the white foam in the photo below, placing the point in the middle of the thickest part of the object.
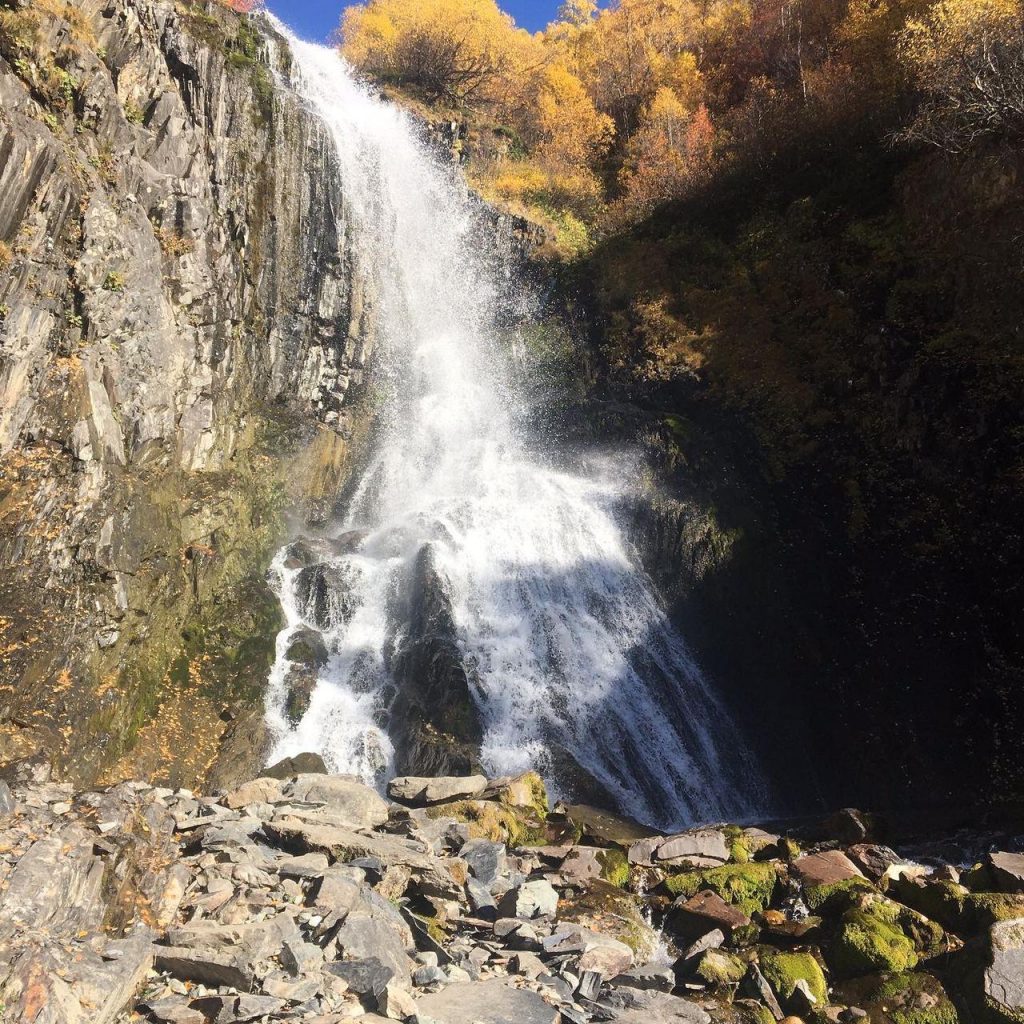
(565, 638)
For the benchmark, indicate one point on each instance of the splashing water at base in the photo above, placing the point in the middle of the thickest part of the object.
(567, 649)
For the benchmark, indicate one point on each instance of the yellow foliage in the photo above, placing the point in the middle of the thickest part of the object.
(672, 148)
(453, 50)
(968, 56)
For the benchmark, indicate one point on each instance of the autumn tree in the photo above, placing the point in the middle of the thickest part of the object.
(455, 51)
(967, 57)
(671, 151)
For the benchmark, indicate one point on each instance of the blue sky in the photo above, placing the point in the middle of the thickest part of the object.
(317, 19)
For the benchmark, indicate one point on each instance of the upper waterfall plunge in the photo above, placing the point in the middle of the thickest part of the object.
(559, 636)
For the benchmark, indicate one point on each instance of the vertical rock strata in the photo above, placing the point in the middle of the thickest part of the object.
(181, 315)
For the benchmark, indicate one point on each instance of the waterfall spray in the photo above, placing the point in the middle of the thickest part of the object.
(564, 641)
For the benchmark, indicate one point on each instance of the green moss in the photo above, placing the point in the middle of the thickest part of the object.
(957, 909)
(984, 909)
(614, 867)
(784, 970)
(870, 938)
(526, 793)
(789, 849)
(749, 887)
(719, 968)
(833, 895)
(942, 901)
(740, 851)
(489, 820)
(916, 999)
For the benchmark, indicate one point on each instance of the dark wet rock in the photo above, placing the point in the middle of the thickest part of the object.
(306, 647)
(606, 828)
(434, 723)
(301, 764)
(300, 683)
(872, 859)
(325, 594)
(243, 750)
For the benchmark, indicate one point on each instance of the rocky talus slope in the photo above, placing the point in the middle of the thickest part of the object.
(304, 896)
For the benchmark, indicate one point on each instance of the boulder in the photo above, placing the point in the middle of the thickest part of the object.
(643, 851)
(1004, 974)
(529, 900)
(421, 792)
(827, 876)
(363, 977)
(872, 859)
(309, 865)
(582, 864)
(487, 1002)
(1007, 870)
(349, 799)
(632, 1006)
(258, 791)
(607, 910)
(704, 913)
(606, 828)
(704, 848)
(870, 938)
(302, 764)
(487, 860)
(395, 1002)
(371, 932)
(793, 977)
(206, 968)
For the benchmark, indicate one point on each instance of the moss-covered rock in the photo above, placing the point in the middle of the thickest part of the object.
(955, 907)
(614, 867)
(871, 938)
(526, 792)
(719, 968)
(749, 887)
(917, 998)
(784, 970)
(832, 896)
(490, 819)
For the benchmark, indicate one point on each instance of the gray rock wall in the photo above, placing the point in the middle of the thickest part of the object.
(180, 326)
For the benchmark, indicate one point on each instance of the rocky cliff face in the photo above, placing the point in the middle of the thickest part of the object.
(179, 312)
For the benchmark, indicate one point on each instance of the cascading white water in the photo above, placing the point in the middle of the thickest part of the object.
(562, 635)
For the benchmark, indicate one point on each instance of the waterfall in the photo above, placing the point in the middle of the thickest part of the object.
(568, 653)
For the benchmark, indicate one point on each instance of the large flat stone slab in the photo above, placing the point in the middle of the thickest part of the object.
(421, 792)
(487, 1002)
(349, 800)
